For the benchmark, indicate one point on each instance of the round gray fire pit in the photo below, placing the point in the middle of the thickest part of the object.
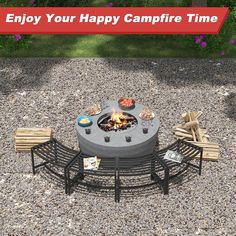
(141, 144)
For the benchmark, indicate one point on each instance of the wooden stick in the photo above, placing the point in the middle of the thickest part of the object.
(183, 135)
(192, 130)
(185, 117)
(205, 139)
(190, 124)
(182, 130)
(199, 134)
(22, 141)
(178, 126)
(208, 156)
(201, 144)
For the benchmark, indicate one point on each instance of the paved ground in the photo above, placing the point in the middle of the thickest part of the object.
(51, 92)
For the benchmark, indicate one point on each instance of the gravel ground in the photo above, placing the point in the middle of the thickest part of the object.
(51, 92)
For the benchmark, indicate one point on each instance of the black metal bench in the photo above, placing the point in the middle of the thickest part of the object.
(111, 167)
(72, 162)
(52, 152)
(189, 151)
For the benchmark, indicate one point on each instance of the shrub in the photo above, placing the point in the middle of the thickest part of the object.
(10, 43)
(145, 3)
(213, 3)
(63, 3)
(219, 43)
(220, 3)
(13, 42)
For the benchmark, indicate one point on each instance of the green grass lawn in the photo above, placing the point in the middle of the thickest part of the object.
(109, 45)
(102, 46)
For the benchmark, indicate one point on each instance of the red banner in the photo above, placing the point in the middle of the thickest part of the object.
(109, 20)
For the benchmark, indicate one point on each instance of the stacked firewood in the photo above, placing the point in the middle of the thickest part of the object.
(190, 131)
(26, 138)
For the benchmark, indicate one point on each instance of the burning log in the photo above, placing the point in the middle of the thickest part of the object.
(117, 121)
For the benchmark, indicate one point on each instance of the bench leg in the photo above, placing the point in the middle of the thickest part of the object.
(81, 168)
(32, 159)
(153, 163)
(67, 182)
(34, 167)
(117, 187)
(166, 182)
(117, 181)
(200, 163)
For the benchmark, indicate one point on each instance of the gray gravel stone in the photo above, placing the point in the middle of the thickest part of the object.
(51, 93)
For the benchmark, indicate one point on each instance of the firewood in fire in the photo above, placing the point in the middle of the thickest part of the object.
(124, 122)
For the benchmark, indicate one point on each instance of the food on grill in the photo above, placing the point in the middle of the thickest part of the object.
(126, 103)
(146, 114)
(84, 121)
(93, 110)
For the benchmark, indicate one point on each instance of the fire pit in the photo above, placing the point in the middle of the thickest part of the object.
(118, 133)
(117, 121)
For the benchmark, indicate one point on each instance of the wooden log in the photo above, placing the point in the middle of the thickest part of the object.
(33, 132)
(26, 146)
(204, 136)
(29, 141)
(201, 144)
(192, 130)
(205, 139)
(179, 137)
(177, 133)
(209, 156)
(30, 138)
(182, 130)
(178, 126)
(211, 151)
(190, 124)
(26, 138)
(185, 117)
(199, 134)
(194, 115)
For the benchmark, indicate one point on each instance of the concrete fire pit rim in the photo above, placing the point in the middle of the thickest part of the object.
(118, 141)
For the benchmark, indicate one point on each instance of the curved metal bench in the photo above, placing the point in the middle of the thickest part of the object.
(146, 165)
(52, 152)
(72, 162)
(189, 151)
(110, 167)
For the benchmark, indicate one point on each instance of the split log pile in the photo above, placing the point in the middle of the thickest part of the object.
(26, 138)
(190, 131)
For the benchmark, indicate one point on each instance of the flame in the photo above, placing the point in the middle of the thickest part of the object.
(119, 119)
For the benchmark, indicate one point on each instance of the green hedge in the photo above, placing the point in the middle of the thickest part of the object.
(146, 3)
(64, 3)
(214, 3)
(13, 42)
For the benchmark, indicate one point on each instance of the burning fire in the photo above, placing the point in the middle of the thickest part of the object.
(119, 119)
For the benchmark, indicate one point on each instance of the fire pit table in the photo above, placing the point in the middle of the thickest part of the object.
(124, 142)
(136, 139)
